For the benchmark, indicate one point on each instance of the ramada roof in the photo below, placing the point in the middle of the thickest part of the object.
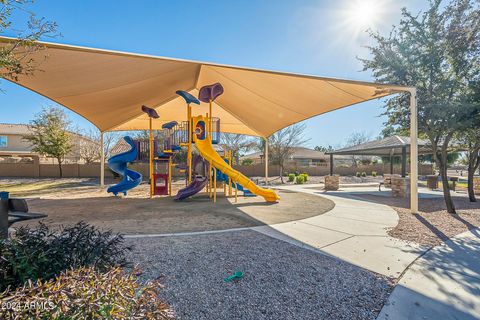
(383, 147)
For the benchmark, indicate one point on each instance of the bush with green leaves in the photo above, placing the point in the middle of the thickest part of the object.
(247, 162)
(300, 179)
(364, 174)
(358, 174)
(291, 177)
(86, 293)
(305, 176)
(43, 253)
(374, 173)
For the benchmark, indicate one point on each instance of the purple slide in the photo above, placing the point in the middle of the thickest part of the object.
(199, 182)
(196, 186)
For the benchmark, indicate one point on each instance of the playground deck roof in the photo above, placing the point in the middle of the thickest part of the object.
(108, 88)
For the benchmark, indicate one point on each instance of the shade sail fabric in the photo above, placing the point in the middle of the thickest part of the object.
(108, 88)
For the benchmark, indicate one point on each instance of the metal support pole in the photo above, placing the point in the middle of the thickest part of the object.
(236, 192)
(170, 164)
(229, 179)
(151, 158)
(210, 180)
(214, 185)
(404, 162)
(391, 164)
(190, 133)
(102, 161)
(211, 120)
(331, 164)
(413, 151)
(266, 161)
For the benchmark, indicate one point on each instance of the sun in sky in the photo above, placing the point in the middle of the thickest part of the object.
(359, 15)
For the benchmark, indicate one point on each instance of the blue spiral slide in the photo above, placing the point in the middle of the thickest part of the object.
(118, 163)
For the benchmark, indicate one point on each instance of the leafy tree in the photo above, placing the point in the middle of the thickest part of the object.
(14, 56)
(438, 53)
(49, 134)
(282, 143)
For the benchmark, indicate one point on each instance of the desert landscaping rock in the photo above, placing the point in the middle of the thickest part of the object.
(281, 281)
(433, 224)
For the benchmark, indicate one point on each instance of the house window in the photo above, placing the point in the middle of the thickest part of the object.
(3, 141)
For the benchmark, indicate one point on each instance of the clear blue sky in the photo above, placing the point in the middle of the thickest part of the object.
(314, 37)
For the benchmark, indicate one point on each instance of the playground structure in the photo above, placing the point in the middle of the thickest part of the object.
(119, 164)
(200, 131)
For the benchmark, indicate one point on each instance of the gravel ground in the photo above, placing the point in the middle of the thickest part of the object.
(281, 281)
(433, 224)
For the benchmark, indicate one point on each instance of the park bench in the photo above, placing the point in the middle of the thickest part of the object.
(13, 210)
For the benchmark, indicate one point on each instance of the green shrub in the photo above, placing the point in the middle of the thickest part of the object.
(300, 179)
(364, 174)
(357, 174)
(42, 253)
(291, 177)
(247, 162)
(374, 173)
(305, 176)
(86, 293)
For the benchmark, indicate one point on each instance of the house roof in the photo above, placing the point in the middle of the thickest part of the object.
(108, 88)
(298, 153)
(12, 128)
(24, 129)
(384, 147)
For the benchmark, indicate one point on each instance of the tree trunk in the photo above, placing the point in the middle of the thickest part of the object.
(473, 164)
(471, 173)
(442, 167)
(446, 190)
(443, 172)
(281, 173)
(60, 167)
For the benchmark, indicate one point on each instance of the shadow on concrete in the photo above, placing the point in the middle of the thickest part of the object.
(406, 303)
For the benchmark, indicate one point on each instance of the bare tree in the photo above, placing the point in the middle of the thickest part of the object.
(283, 142)
(90, 148)
(239, 144)
(356, 138)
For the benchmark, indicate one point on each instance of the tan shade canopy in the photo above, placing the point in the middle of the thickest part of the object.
(108, 88)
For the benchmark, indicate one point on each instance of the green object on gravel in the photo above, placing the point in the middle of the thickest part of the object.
(236, 276)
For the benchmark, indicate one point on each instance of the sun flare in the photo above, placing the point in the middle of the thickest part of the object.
(363, 13)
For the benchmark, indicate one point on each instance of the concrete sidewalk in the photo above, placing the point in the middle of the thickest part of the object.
(442, 284)
(355, 230)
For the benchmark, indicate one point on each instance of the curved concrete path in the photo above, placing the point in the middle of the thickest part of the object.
(355, 230)
(443, 284)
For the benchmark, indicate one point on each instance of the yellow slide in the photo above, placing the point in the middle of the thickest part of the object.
(206, 150)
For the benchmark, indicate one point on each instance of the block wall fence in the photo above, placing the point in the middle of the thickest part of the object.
(38, 170)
